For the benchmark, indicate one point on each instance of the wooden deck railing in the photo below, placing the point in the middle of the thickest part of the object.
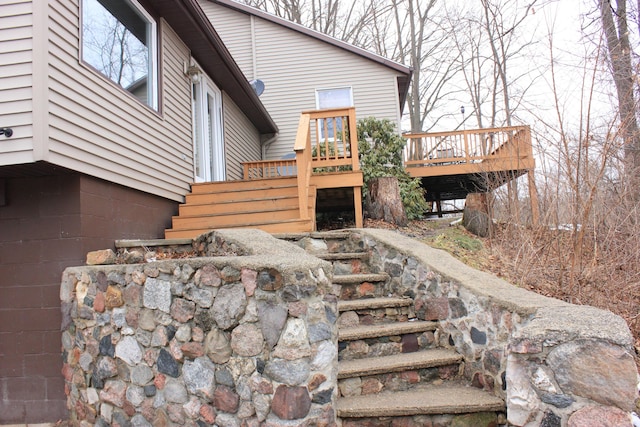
(467, 146)
(329, 136)
(326, 141)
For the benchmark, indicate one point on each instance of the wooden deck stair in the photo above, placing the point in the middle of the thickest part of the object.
(268, 204)
(388, 373)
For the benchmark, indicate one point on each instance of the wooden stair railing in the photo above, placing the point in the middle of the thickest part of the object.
(303, 163)
(326, 143)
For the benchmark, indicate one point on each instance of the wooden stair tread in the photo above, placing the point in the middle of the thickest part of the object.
(384, 329)
(268, 226)
(249, 224)
(441, 399)
(345, 279)
(247, 200)
(373, 303)
(225, 186)
(397, 362)
(213, 190)
(235, 213)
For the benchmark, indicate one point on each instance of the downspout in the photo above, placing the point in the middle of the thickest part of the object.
(254, 58)
(267, 143)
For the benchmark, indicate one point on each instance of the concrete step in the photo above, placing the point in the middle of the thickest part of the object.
(397, 363)
(431, 399)
(373, 303)
(343, 256)
(384, 330)
(350, 279)
(333, 234)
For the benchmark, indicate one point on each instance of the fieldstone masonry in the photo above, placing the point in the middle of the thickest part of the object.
(245, 334)
(553, 362)
(236, 337)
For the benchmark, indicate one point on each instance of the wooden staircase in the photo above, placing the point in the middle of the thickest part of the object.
(391, 371)
(270, 204)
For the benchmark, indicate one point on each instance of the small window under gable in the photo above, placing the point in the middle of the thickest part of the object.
(341, 97)
(119, 39)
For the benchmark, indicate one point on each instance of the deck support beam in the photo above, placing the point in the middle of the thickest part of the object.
(533, 198)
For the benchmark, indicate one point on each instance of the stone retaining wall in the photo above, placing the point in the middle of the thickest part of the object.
(555, 363)
(244, 335)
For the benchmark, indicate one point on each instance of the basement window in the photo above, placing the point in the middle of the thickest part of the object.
(119, 40)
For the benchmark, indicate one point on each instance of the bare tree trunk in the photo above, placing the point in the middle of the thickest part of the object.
(384, 201)
(476, 217)
(619, 51)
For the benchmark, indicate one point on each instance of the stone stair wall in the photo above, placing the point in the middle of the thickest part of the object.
(390, 371)
(554, 363)
(242, 333)
(129, 328)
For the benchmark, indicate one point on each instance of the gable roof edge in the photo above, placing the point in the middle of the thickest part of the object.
(249, 10)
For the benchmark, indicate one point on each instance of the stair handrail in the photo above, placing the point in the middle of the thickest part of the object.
(302, 148)
(336, 146)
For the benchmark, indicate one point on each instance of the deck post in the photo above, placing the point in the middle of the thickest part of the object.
(357, 206)
(533, 198)
(466, 147)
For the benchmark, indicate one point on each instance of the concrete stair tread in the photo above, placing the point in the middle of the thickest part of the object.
(373, 303)
(333, 234)
(384, 329)
(346, 279)
(397, 362)
(338, 256)
(440, 399)
(150, 243)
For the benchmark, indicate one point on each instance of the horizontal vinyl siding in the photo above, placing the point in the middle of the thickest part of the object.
(16, 81)
(293, 65)
(235, 30)
(241, 139)
(292, 74)
(97, 128)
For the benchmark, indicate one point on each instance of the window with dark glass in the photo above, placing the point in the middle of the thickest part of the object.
(119, 40)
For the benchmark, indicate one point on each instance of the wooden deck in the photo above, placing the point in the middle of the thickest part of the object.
(453, 164)
(323, 175)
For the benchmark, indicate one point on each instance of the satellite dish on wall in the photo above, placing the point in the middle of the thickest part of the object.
(258, 86)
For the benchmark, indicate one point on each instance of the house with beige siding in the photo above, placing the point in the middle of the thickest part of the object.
(109, 111)
(131, 119)
(304, 70)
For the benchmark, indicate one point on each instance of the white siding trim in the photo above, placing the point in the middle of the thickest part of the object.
(40, 83)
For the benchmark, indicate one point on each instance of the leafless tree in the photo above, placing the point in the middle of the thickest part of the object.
(422, 41)
(614, 20)
(351, 21)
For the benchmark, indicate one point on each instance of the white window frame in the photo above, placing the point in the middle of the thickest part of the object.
(337, 104)
(208, 140)
(321, 106)
(152, 65)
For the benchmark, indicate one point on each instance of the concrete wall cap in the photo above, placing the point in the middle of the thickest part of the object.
(551, 319)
